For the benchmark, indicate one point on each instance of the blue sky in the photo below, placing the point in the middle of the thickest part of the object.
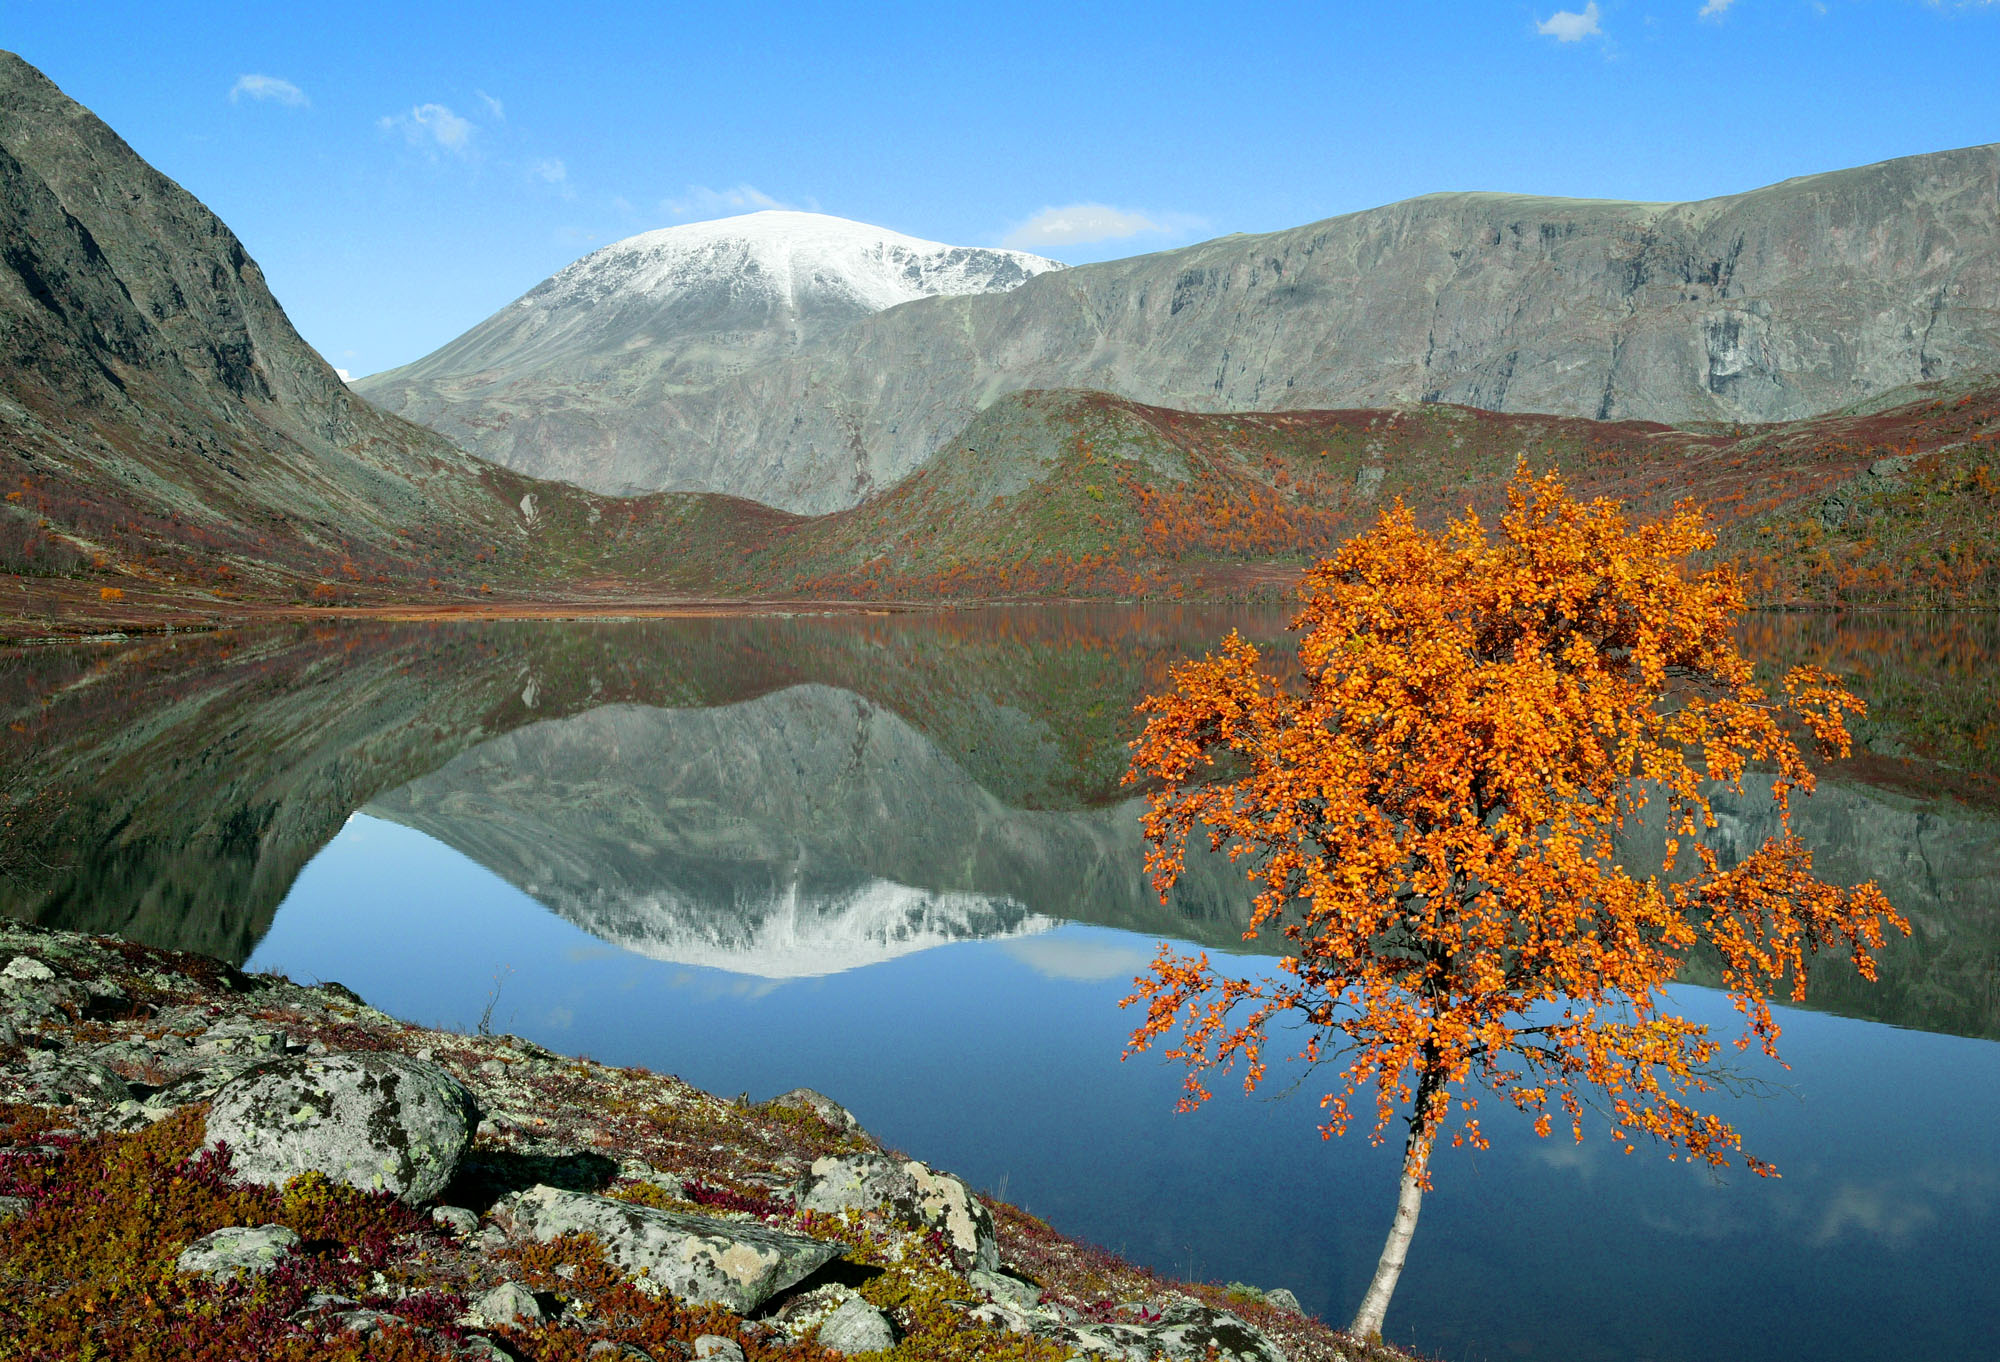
(401, 171)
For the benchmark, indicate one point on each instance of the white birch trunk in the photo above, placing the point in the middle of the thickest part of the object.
(1409, 1200)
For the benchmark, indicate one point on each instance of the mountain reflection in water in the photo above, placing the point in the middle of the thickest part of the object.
(788, 796)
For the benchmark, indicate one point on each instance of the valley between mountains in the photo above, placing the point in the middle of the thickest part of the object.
(786, 407)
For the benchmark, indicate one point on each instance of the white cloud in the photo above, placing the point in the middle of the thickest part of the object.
(431, 126)
(1061, 958)
(551, 171)
(1081, 222)
(345, 377)
(268, 87)
(702, 201)
(1715, 9)
(495, 107)
(1567, 27)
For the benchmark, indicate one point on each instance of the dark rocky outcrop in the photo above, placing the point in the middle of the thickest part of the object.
(252, 1249)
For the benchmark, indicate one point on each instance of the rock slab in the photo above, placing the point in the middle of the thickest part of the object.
(241, 1248)
(735, 1263)
(379, 1122)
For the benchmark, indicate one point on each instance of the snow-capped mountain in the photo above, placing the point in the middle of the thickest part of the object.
(807, 260)
(598, 373)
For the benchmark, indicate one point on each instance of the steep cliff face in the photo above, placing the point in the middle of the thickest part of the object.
(1774, 304)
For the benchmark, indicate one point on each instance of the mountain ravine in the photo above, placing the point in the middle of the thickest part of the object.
(1774, 304)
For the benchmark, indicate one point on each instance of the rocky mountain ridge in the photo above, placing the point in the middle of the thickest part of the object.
(1780, 303)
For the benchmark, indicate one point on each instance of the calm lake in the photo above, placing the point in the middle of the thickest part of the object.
(890, 858)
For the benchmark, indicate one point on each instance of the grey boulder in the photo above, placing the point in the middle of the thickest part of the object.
(1185, 1331)
(855, 1326)
(945, 1203)
(1005, 1289)
(1280, 1298)
(857, 1182)
(1191, 1330)
(735, 1263)
(912, 1192)
(252, 1249)
(26, 969)
(62, 1081)
(455, 1220)
(509, 1304)
(379, 1122)
(820, 1105)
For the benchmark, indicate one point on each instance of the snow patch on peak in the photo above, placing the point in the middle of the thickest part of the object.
(798, 258)
(795, 933)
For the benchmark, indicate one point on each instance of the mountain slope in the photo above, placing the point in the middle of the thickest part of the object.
(1770, 305)
(163, 423)
(597, 369)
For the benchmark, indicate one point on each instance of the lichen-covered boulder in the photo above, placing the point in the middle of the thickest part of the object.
(735, 1263)
(1280, 1298)
(64, 1081)
(855, 1326)
(254, 1249)
(379, 1122)
(31, 992)
(26, 969)
(946, 1204)
(857, 1182)
(820, 1105)
(509, 1304)
(912, 1192)
(1185, 1331)
(1008, 1290)
(838, 1317)
(1189, 1329)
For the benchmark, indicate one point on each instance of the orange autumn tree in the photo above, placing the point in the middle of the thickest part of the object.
(1431, 817)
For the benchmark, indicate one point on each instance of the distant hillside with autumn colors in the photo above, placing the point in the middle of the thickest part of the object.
(1078, 493)
(174, 453)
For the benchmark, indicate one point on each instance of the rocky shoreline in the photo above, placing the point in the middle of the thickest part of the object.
(198, 1163)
